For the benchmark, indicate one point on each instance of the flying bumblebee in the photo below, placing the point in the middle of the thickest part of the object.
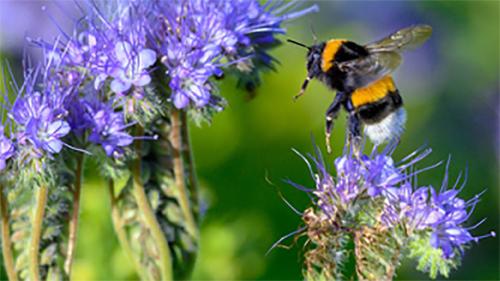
(361, 75)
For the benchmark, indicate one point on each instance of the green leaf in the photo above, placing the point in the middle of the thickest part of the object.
(429, 259)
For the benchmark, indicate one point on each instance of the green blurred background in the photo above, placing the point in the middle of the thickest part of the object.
(451, 91)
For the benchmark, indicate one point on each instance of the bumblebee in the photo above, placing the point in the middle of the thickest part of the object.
(361, 75)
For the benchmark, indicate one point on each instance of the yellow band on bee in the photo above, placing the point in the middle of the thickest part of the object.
(373, 92)
(331, 48)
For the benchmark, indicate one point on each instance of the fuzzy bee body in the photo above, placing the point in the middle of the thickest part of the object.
(361, 77)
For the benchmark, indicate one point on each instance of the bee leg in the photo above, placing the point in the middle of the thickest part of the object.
(331, 114)
(354, 137)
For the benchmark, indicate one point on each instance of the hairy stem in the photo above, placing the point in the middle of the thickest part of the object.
(73, 223)
(8, 257)
(179, 172)
(360, 270)
(188, 157)
(149, 216)
(36, 232)
(120, 231)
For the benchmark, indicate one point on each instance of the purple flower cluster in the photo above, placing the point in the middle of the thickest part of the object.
(37, 117)
(441, 214)
(355, 177)
(198, 37)
(92, 75)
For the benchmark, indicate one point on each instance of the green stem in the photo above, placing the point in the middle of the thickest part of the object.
(149, 216)
(188, 158)
(120, 231)
(36, 232)
(73, 223)
(179, 173)
(8, 257)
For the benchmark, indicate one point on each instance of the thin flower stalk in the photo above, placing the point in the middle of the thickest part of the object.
(36, 232)
(150, 218)
(119, 228)
(8, 256)
(178, 146)
(187, 154)
(75, 213)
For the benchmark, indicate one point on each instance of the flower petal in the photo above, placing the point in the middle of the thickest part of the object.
(143, 80)
(123, 52)
(119, 86)
(180, 100)
(147, 58)
(53, 146)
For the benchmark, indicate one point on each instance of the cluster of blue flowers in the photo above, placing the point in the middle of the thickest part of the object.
(439, 213)
(78, 95)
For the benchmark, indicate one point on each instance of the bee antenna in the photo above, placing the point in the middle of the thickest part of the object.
(298, 43)
(315, 36)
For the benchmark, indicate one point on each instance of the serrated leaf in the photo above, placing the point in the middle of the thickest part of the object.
(48, 254)
(429, 259)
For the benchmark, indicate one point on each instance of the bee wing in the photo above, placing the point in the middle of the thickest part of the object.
(406, 38)
(384, 55)
(372, 67)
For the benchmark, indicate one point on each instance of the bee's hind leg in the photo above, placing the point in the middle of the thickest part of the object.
(331, 115)
(354, 134)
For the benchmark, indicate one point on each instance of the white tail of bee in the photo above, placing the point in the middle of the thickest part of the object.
(389, 128)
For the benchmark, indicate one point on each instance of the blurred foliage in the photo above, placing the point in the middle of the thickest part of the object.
(451, 91)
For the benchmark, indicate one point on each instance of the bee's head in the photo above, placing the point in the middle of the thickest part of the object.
(313, 62)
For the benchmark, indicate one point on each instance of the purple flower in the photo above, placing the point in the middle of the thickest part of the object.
(440, 213)
(132, 67)
(109, 130)
(373, 175)
(119, 40)
(404, 204)
(420, 210)
(40, 122)
(45, 133)
(447, 215)
(6, 148)
(364, 177)
(110, 41)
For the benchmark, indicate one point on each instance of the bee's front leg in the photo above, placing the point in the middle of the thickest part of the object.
(331, 114)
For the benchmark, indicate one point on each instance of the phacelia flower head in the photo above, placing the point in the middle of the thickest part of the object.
(108, 129)
(364, 176)
(195, 39)
(440, 212)
(39, 113)
(109, 42)
(377, 203)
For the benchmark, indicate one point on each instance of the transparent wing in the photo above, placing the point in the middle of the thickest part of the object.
(372, 67)
(384, 55)
(406, 38)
